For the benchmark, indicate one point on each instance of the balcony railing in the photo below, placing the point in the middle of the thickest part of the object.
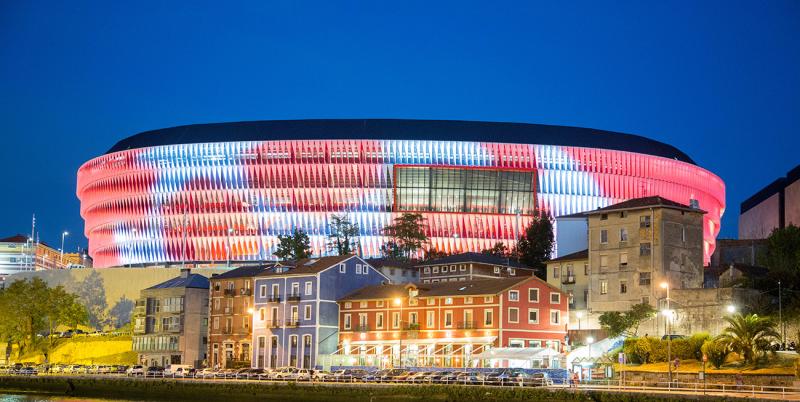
(414, 326)
(293, 297)
(292, 323)
(230, 292)
(273, 323)
(362, 328)
(273, 299)
(467, 325)
(568, 279)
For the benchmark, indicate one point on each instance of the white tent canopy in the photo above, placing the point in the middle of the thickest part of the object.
(517, 354)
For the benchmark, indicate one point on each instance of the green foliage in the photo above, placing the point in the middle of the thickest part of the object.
(748, 335)
(92, 293)
(342, 235)
(654, 350)
(617, 323)
(716, 352)
(30, 307)
(499, 249)
(408, 235)
(782, 257)
(535, 246)
(294, 246)
(642, 349)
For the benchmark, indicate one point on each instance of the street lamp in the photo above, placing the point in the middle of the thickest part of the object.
(730, 308)
(579, 315)
(665, 285)
(590, 341)
(63, 235)
(399, 302)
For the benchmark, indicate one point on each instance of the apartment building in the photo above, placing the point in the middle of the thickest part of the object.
(231, 316)
(447, 324)
(170, 321)
(470, 266)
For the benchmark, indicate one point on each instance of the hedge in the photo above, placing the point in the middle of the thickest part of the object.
(654, 350)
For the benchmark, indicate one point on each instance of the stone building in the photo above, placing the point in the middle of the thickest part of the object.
(636, 245)
(231, 317)
(470, 266)
(171, 321)
(571, 274)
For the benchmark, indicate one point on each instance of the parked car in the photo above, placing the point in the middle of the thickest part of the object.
(27, 370)
(300, 375)
(418, 377)
(540, 380)
(283, 373)
(321, 375)
(400, 376)
(348, 375)
(509, 376)
(135, 370)
(249, 373)
(176, 370)
(154, 371)
(206, 373)
(224, 373)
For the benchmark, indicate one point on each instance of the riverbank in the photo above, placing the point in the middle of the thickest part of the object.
(245, 391)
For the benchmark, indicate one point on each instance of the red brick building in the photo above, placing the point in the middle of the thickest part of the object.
(446, 324)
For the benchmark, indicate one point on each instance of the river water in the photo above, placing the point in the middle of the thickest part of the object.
(52, 398)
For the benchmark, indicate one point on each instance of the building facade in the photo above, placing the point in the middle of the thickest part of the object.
(571, 274)
(155, 199)
(446, 324)
(397, 271)
(637, 245)
(230, 333)
(295, 317)
(22, 254)
(470, 266)
(170, 322)
(775, 206)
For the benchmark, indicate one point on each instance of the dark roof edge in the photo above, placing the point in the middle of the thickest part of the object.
(377, 129)
(770, 189)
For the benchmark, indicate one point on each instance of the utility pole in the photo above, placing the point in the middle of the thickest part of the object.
(780, 315)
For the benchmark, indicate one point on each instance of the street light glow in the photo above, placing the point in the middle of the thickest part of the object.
(664, 285)
(579, 314)
(731, 308)
(398, 301)
(251, 310)
(590, 340)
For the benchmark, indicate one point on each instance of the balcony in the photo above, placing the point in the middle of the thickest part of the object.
(362, 328)
(293, 297)
(227, 331)
(273, 324)
(292, 323)
(569, 279)
(230, 292)
(273, 299)
(414, 326)
(246, 292)
(467, 325)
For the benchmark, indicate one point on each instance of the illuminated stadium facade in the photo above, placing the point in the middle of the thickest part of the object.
(210, 193)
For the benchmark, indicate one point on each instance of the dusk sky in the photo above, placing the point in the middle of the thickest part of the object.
(719, 80)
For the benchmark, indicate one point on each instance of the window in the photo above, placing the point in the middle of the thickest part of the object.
(513, 295)
(644, 249)
(262, 314)
(603, 262)
(275, 290)
(296, 289)
(644, 221)
(348, 305)
(513, 314)
(358, 269)
(623, 214)
(533, 295)
(431, 301)
(362, 304)
(309, 288)
(683, 234)
(262, 291)
(623, 287)
(215, 323)
(644, 279)
(379, 321)
(603, 286)
(448, 318)
(488, 299)
(216, 304)
(452, 268)
(603, 236)
(362, 321)
(396, 320)
(342, 268)
(307, 312)
(555, 298)
(603, 217)
(512, 271)
(412, 318)
(426, 270)
(533, 316)
(488, 317)
(586, 269)
(462, 267)
(448, 300)
(379, 303)
(555, 317)
(435, 270)
(623, 234)
(347, 321)
(497, 270)
(467, 300)
(430, 319)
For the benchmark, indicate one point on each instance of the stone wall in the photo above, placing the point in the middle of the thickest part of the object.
(748, 379)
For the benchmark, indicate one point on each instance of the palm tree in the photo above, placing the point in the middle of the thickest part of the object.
(748, 335)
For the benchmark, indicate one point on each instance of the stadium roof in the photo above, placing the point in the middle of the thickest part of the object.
(399, 129)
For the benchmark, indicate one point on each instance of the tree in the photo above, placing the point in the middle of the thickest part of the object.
(782, 257)
(535, 246)
(499, 249)
(407, 235)
(717, 352)
(342, 235)
(294, 246)
(748, 335)
(617, 323)
(92, 293)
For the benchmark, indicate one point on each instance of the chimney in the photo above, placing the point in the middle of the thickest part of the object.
(185, 272)
(693, 203)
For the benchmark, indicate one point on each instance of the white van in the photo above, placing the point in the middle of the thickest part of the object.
(177, 370)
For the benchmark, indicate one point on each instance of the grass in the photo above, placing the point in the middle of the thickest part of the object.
(773, 365)
(85, 350)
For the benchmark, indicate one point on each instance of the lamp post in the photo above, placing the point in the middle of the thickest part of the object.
(668, 316)
(590, 341)
(780, 314)
(63, 235)
(579, 315)
(399, 302)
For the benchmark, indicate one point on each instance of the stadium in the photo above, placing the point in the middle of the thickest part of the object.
(214, 193)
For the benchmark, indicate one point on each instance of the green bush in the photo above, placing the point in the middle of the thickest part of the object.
(654, 350)
(716, 352)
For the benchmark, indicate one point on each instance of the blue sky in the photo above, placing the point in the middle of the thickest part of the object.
(719, 80)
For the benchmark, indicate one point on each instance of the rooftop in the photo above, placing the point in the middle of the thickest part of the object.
(241, 272)
(644, 202)
(479, 287)
(399, 129)
(308, 266)
(578, 255)
(191, 281)
(475, 257)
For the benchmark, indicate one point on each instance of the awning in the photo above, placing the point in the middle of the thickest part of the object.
(429, 341)
(517, 353)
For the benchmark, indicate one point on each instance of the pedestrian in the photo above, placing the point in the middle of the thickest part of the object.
(574, 381)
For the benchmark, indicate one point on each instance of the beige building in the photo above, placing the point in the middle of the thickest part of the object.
(170, 321)
(571, 274)
(636, 245)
